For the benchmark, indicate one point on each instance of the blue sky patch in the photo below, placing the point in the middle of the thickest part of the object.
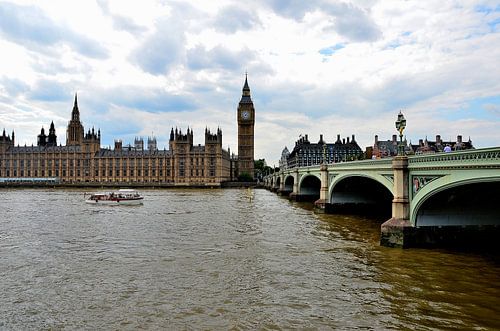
(329, 51)
(487, 9)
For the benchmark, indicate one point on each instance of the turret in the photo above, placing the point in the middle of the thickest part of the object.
(152, 145)
(118, 145)
(5, 142)
(139, 144)
(52, 138)
(215, 138)
(42, 138)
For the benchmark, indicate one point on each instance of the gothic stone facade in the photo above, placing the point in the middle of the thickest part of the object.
(83, 160)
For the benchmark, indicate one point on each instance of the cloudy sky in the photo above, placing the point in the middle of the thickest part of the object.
(316, 66)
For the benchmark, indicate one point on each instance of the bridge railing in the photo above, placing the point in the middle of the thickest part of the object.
(485, 156)
(378, 163)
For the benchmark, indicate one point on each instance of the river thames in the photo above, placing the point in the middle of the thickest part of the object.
(225, 259)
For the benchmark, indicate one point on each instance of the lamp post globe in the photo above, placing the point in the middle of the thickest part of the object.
(400, 126)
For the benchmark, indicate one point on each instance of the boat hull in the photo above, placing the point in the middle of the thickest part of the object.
(120, 197)
(127, 202)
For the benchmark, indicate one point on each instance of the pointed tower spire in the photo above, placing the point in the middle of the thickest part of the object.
(74, 132)
(75, 114)
(246, 88)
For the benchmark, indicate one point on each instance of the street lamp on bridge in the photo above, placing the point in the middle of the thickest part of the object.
(400, 126)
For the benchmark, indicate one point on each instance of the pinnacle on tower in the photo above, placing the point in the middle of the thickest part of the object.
(75, 114)
(246, 88)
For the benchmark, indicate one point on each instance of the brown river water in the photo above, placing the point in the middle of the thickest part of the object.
(225, 259)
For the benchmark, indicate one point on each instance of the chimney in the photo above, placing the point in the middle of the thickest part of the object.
(459, 139)
(353, 138)
(394, 138)
(306, 138)
(421, 142)
(438, 139)
(338, 138)
(320, 139)
(343, 141)
(376, 139)
(347, 139)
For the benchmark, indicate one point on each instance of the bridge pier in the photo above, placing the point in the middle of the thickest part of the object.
(284, 193)
(282, 190)
(295, 191)
(398, 231)
(321, 205)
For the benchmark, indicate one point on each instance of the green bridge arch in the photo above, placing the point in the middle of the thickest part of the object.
(384, 181)
(445, 182)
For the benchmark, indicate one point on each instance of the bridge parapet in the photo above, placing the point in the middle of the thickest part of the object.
(362, 164)
(475, 158)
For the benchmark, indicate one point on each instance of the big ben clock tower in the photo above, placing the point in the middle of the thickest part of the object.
(246, 122)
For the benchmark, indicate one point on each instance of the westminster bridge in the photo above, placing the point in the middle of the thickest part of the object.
(426, 197)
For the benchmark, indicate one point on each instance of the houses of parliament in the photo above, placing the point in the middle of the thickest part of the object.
(83, 160)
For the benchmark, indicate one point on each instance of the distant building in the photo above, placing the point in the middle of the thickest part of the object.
(306, 153)
(283, 162)
(83, 160)
(428, 147)
(389, 148)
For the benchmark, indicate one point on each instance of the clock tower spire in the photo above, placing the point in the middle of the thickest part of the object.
(74, 133)
(246, 123)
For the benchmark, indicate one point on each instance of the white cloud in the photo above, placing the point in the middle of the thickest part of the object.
(157, 64)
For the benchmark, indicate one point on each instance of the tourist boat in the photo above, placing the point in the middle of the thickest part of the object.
(121, 197)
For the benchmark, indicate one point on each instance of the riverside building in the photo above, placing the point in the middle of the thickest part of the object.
(83, 160)
(306, 153)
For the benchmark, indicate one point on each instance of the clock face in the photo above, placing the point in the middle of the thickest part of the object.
(245, 115)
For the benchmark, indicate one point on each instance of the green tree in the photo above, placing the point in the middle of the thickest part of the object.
(261, 168)
(245, 177)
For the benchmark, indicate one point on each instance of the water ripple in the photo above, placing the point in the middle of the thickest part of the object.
(215, 259)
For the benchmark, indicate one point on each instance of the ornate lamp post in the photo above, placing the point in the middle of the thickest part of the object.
(400, 126)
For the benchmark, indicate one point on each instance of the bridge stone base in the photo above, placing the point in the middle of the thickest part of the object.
(322, 206)
(284, 193)
(397, 233)
(401, 233)
(302, 197)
